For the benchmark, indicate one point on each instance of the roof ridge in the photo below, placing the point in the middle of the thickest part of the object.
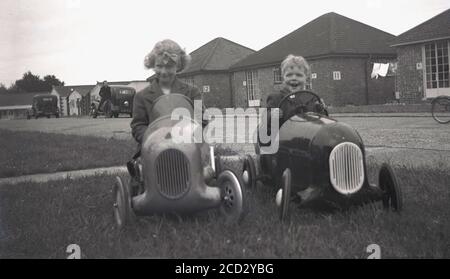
(424, 22)
(225, 39)
(210, 41)
(332, 36)
(213, 50)
(367, 25)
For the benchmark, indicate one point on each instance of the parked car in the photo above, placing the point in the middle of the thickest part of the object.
(121, 102)
(170, 176)
(44, 105)
(319, 160)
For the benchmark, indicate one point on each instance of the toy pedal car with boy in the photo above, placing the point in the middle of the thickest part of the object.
(319, 159)
(170, 177)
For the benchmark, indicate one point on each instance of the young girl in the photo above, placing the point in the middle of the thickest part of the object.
(166, 59)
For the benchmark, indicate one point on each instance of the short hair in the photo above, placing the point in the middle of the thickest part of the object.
(172, 49)
(298, 61)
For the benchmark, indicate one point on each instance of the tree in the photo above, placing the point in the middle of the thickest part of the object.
(3, 88)
(33, 83)
(51, 80)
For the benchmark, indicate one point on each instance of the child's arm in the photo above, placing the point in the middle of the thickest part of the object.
(140, 118)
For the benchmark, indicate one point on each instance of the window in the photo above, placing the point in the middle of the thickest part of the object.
(437, 65)
(336, 75)
(277, 75)
(189, 81)
(251, 83)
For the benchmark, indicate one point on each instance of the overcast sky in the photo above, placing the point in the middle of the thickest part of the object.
(82, 41)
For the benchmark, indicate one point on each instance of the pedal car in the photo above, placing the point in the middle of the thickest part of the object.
(170, 177)
(319, 159)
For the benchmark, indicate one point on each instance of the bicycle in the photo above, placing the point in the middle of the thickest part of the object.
(440, 109)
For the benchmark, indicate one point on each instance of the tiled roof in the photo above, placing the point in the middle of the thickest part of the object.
(18, 99)
(216, 55)
(436, 27)
(65, 91)
(328, 34)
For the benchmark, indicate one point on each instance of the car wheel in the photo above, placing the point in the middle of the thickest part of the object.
(233, 203)
(249, 172)
(440, 109)
(123, 212)
(135, 187)
(284, 194)
(392, 197)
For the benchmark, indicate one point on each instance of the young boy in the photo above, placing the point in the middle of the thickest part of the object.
(295, 72)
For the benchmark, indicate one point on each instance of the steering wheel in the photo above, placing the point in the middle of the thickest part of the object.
(301, 102)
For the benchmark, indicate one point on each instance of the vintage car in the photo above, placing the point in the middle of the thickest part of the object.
(171, 177)
(319, 160)
(44, 105)
(121, 102)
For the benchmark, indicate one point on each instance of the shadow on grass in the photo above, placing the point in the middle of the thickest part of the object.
(41, 220)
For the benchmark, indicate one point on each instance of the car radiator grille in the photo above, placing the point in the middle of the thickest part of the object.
(172, 173)
(346, 168)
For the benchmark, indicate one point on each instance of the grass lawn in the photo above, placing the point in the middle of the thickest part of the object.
(41, 220)
(34, 152)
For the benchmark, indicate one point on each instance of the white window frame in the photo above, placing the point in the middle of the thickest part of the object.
(427, 70)
(336, 75)
(277, 77)
(190, 81)
(251, 77)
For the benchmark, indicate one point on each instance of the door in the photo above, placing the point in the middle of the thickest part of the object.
(436, 78)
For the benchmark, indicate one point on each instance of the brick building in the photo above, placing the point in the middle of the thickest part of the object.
(209, 70)
(341, 52)
(423, 60)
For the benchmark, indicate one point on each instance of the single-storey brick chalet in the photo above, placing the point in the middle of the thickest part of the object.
(341, 52)
(209, 70)
(423, 60)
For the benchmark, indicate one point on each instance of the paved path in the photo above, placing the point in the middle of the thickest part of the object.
(45, 177)
(414, 141)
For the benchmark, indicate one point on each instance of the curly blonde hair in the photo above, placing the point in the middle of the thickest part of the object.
(169, 49)
(298, 61)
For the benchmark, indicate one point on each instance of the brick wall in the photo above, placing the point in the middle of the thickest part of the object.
(219, 94)
(350, 89)
(409, 80)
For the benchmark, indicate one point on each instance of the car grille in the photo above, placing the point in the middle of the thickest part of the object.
(346, 168)
(172, 173)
